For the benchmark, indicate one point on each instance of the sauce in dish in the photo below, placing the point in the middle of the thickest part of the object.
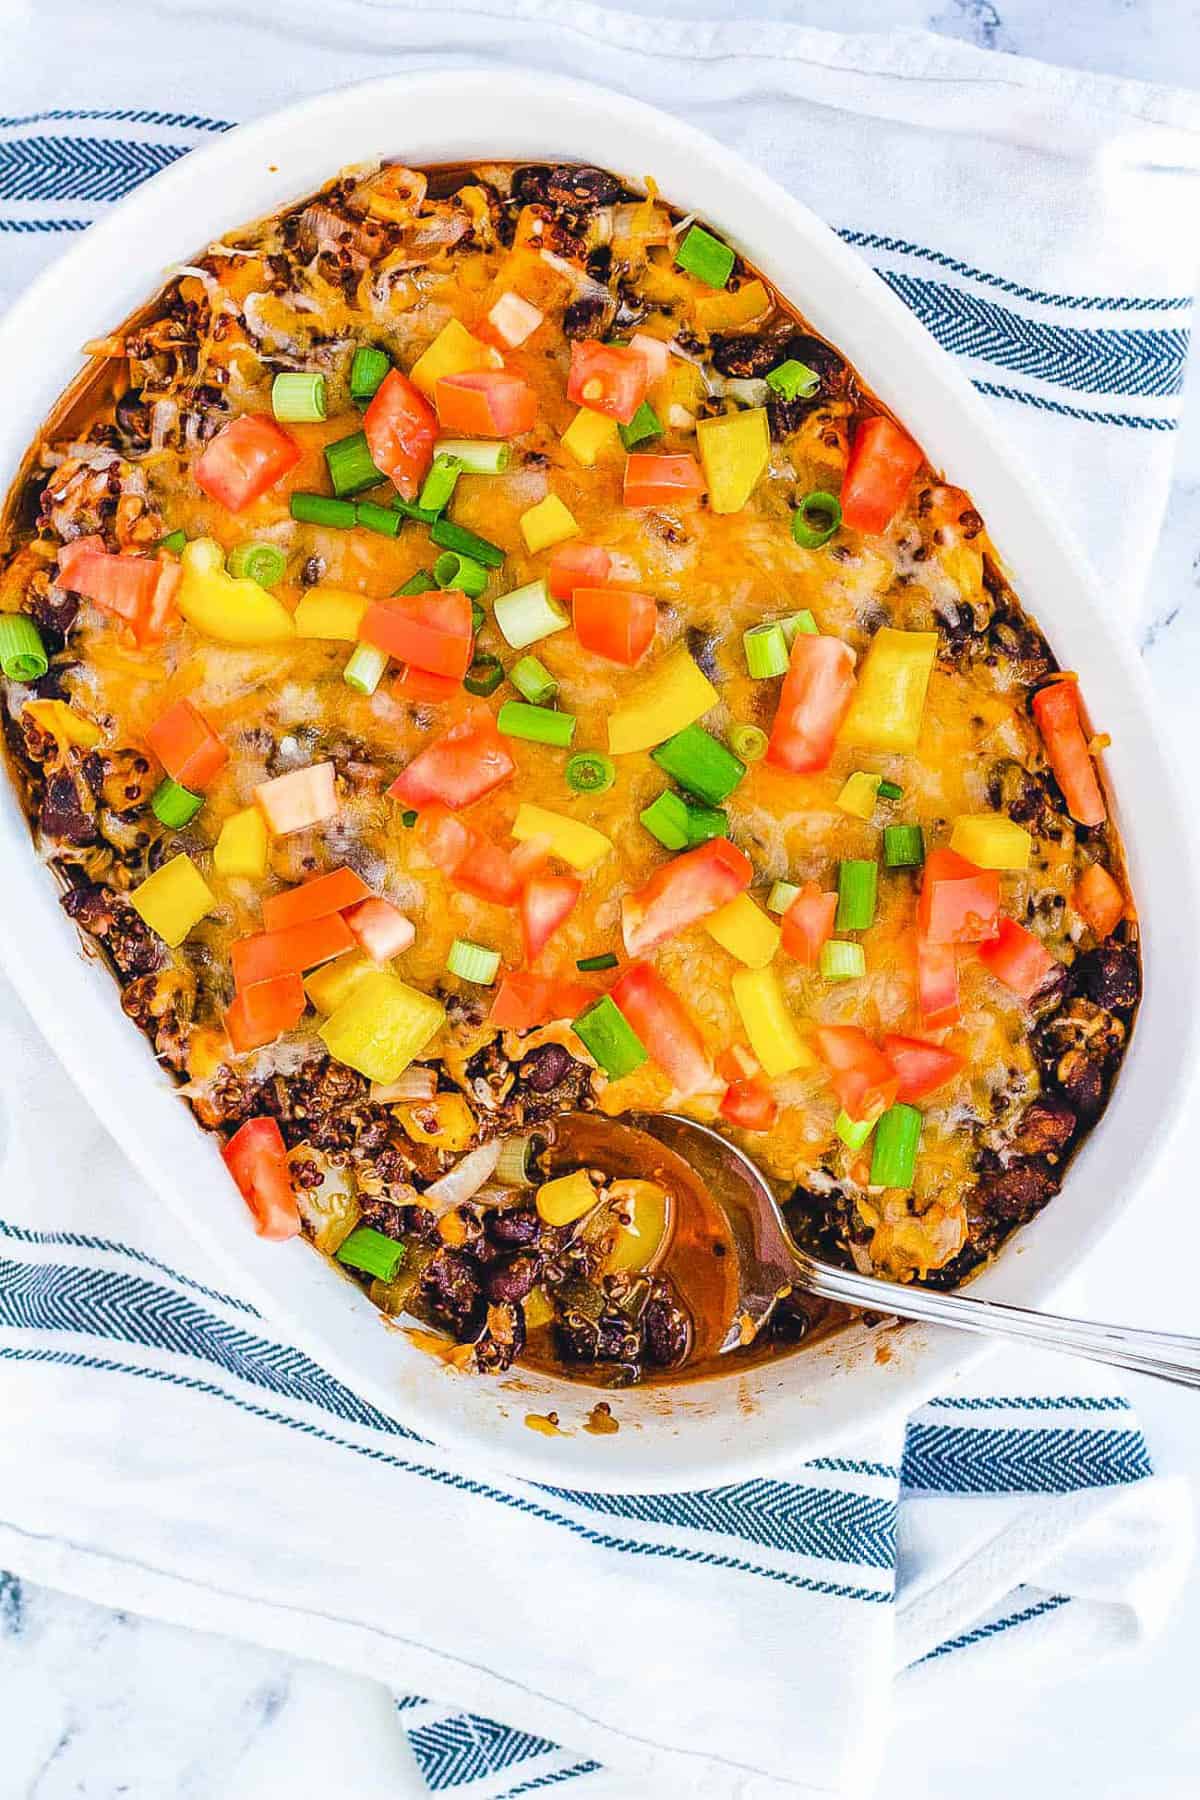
(476, 659)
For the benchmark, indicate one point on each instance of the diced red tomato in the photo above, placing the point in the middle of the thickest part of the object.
(1018, 959)
(808, 923)
(937, 984)
(661, 480)
(401, 429)
(1056, 709)
(524, 1001)
(314, 899)
(959, 903)
(861, 1076)
(615, 622)
(486, 403)
(137, 589)
(445, 840)
(1098, 900)
(422, 688)
(382, 930)
(247, 456)
(289, 951)
(607, 378)
(494, 872)
(264, 1011)
(665, 1027)
(546, 902)
(736, 1063)
(577, 565)
(883, 461)
(921, 1067)
(458, 768)
(682, 892)
(187, 746)
(750, 1104)
(813, 701)
(432, 631)
(653, 352)
(256, 1157)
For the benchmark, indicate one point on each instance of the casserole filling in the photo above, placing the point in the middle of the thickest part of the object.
(476, 658)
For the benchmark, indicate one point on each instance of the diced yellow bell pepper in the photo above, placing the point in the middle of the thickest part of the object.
(859, 794)
(537, 1309)
(674, 693)
(719, 309)
(735, 450)
(566, 1198)
(576, 843)
(173, 899)
(745, 931)
(633, 1224)
(445, 1121)
(771, 1029)
(686, 385)
(591, 435)
(330, 612)
(548, 523)
(63, 723)
(241, 848)
(232, 609)
(453, 352)
(327, 987)
(381, 1025)
(885, 713)
(991, 841)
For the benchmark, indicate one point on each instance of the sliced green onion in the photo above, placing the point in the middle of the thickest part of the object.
(903, 846)
(816, 519)
(367, 370)
(365, 669)
(408, 509)
(378, 518)
(420, 582)
(533, 680)
(473, 962)
(173, 805)
(264, 563)
(842, 961)
(408, 819)
(514, 1166)
(749, 742)
(857, 884)
(298, 398)
(644, 425)
(704, 822)
(371, 1252)
(766, 650)
(781, 897)
(454, 571)
(351, 469)
(592, 965)
(439, 484)
(484, 675)
(894, 1158)
(449, 536)
(536, 723)
(793, 380)
(528, 614)
(175, 542)
(611, 1039)
(700, 763)
(478, 617)
(706, 257)
(475, 457)
(853, 1132)
(667, 820)
(888, 790)
(319, 509)
(590, 772)
(798, 622)
(22, 653)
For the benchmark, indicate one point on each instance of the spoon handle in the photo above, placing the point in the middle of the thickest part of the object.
(1171, 1356)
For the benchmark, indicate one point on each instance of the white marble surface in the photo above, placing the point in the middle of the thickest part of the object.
(95, 1704)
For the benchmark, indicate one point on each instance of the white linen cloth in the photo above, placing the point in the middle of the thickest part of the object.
(167, 1451)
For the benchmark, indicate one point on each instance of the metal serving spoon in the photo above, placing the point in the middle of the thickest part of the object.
(769, 1262)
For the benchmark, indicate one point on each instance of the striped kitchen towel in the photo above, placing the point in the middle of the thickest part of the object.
(169, 1451)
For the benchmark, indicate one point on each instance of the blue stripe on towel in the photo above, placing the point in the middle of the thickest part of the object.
(79, 168)
(955, 1459)
(872, 240)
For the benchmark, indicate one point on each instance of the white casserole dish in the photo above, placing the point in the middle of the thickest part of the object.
(725, 1429)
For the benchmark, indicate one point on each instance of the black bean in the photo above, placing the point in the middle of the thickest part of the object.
(512, 1278)
(1108, 975)
(514, 1226)
(545, 1067)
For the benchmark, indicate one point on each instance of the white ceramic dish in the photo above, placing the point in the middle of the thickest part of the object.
(720, 1430)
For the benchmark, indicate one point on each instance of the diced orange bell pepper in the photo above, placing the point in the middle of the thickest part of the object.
(959, 903)
(524, 1001)
(1098, 900)
(1056, 709)
(264, 1011)
(314, 899)
(861, 1076)
(289, 951)
(187, 746)
(1018, 959)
